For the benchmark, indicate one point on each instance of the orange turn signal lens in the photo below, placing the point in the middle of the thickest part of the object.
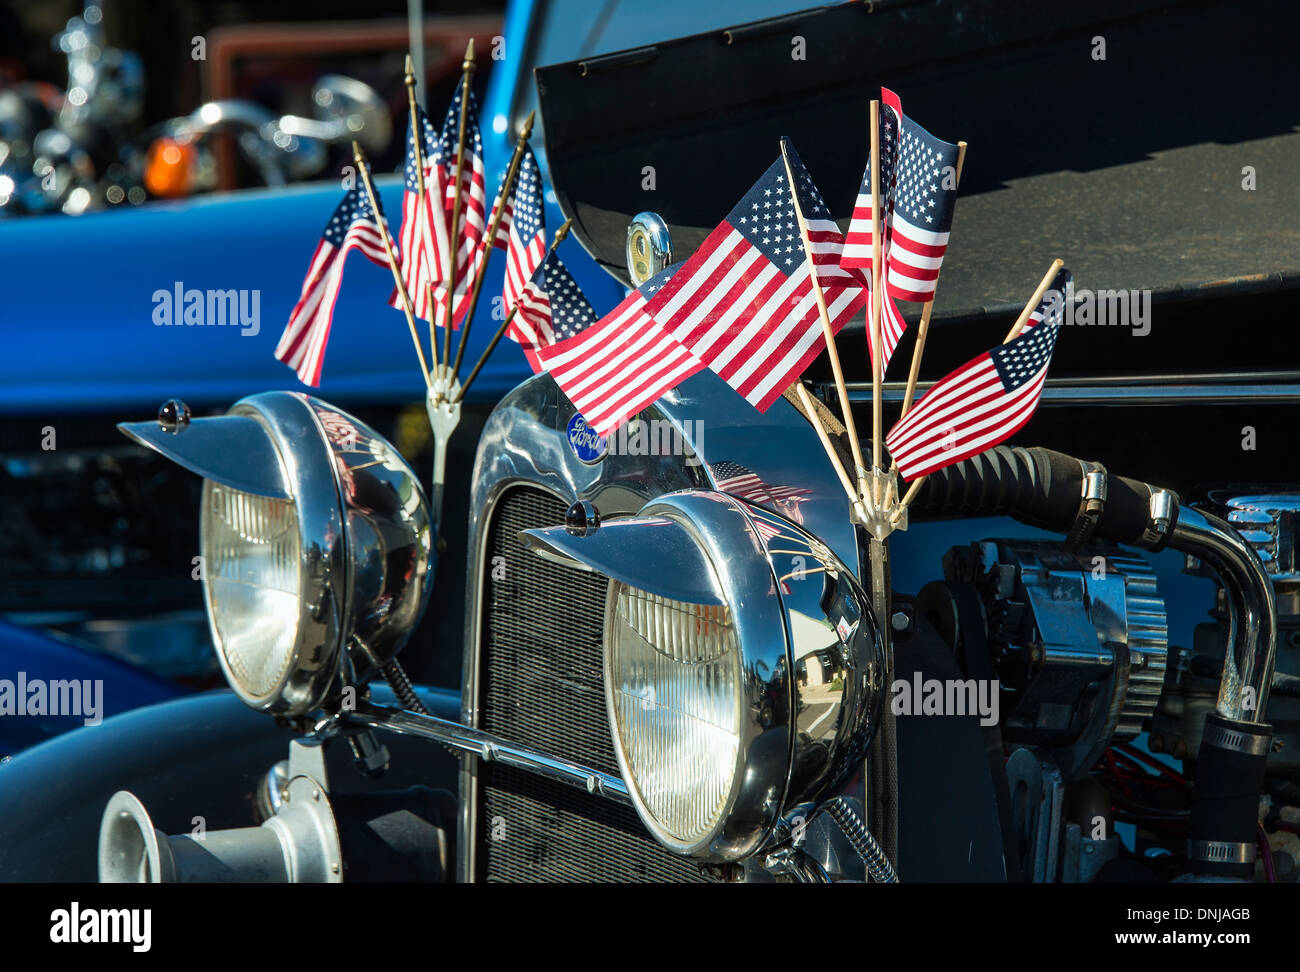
(169, 168)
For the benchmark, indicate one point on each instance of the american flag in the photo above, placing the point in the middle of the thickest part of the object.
(984, 401)
(552, 307)
(525, 233)
(420, 265)
(354, 226)
(925, 192)
(743, 303)
(621, 364)
(858, 242)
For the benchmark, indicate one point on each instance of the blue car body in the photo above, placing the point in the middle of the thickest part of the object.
(32, 655)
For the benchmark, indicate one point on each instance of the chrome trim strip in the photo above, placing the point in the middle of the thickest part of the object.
(489, 748)
(1279, 387)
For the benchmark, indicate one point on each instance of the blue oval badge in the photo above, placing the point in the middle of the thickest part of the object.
(586, 444)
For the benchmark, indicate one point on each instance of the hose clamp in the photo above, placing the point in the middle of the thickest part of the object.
(1162, 514)
(1221, 851)
(1092, 503)
(1234, 740)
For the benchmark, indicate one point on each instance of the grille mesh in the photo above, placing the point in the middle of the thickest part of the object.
(541, 684)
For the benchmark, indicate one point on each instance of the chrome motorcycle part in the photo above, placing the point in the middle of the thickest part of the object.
(744, 669)
(649, 247)
(315, 538)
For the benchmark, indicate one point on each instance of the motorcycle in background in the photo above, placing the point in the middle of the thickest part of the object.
(71, 151)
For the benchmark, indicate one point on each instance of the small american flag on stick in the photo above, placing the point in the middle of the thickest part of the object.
(986, 400)
(552, 307)
(473, 206)
(420, 265)
(621, 364)
(354, 226)
(743, 303)
(858, 242)
(524, 223)
(920, 217)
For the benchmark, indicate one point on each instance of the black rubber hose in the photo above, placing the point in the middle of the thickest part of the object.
(1037, 486)
(1225, 807)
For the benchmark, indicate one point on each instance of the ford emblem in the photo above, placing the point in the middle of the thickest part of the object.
(586, 444)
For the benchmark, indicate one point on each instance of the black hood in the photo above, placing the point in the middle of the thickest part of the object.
(1128, 167)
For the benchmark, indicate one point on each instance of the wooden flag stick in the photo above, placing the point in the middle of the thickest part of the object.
(560, 234)
(816, 422)
(1041, 289)
(489, 241)
(876, 349)
(923, 329)
(417, 140)
(1016, 328)
(827, 331)
(392, 259)
(453, 242)
(433, 340)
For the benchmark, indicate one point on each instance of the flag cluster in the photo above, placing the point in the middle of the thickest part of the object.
(746, 305)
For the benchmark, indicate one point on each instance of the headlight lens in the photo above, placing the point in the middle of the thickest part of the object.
(316, 544)
(674, 691)
(252, 580)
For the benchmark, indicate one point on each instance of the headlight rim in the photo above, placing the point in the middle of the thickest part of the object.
(324, 561)
(815, 759)
(748, 817)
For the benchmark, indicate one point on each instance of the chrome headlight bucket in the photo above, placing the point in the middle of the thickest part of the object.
(744, 671)
(315, 540)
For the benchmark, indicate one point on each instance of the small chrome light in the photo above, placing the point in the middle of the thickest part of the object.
(649, 247)
(314, 537)
(744, 671)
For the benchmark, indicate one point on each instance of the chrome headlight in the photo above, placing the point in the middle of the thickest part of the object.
(743, 668)
(315, 542)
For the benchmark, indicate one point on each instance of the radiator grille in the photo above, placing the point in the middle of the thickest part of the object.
(541, 685)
